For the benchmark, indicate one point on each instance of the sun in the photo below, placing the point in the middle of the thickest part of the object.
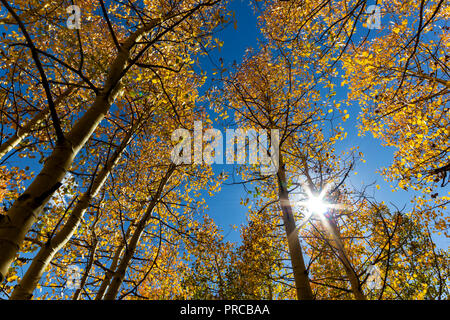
(316, 205)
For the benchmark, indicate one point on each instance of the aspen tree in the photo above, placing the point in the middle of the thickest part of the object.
(21, 216)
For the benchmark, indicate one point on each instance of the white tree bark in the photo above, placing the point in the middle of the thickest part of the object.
(21, 216)
(24, 289)
(119, 274)
(108, 274)
(339, 246)
(24, 131)
(301, 278)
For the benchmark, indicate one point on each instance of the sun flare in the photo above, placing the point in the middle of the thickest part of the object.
(316, 205)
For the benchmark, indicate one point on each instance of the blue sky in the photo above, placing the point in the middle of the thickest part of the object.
(225, 206)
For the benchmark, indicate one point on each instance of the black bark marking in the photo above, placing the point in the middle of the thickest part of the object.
(38, 200)
(23, 197)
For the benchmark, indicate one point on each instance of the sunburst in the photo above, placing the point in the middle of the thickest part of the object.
(316, 205)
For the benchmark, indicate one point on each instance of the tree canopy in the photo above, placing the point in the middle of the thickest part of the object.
(99, 98)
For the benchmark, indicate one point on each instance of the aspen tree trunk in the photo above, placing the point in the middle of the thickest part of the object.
(351, 274)
(24, 131)
(119, 274)
(77, 293)
(21, 216)
(25, 288)
(302, 284)
(108, 274)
